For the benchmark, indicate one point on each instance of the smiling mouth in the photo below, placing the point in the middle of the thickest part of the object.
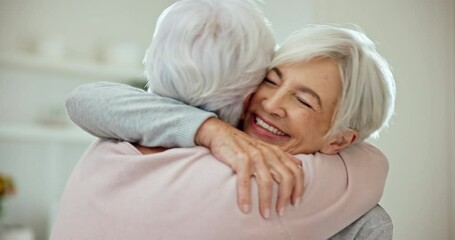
(267, 127)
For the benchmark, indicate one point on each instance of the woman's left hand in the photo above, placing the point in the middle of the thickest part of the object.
(250, 157)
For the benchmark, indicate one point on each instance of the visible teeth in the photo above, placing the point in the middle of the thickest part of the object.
(269, 128)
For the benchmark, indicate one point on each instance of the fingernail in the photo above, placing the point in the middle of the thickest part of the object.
(281, 212)
(246, 208)
(297, 202)
(267, 213)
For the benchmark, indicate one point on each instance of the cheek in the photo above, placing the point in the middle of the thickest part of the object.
(307, 132)
(303, 120)
(324, 124)
(254, 101)
(261, 92)
(246, 105)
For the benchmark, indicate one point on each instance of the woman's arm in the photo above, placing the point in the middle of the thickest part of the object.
(339, 189)
(112, 110)
(118, 111)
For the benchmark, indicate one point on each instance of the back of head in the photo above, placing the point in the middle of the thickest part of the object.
(367, 99)
(210, 54)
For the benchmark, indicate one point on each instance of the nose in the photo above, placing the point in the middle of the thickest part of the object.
(275, 103)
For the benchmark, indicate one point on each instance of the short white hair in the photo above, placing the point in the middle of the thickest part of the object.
(210, 54)
(367, 99)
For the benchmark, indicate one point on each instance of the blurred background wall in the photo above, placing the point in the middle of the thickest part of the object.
(48, 47)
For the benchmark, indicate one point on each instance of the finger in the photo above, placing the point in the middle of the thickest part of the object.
(293, 165)
(286, 185)
(243, 184)
(277, 159)
(275, 175)
(294, 159)
(265, 185)
(298, 174)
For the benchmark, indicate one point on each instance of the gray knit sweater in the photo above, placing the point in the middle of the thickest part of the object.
(112, 110)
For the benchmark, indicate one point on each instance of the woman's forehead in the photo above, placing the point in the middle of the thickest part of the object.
(318, 77)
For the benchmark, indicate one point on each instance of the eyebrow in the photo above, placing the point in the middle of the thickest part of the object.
(304, 89)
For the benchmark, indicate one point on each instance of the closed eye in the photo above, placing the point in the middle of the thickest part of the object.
(303, 102)
(267, 80)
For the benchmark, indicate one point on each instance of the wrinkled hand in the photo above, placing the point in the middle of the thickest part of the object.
(249, 157)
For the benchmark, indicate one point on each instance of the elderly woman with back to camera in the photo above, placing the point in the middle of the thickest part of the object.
(310, 101)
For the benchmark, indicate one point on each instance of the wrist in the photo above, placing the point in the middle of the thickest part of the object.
(205, 132)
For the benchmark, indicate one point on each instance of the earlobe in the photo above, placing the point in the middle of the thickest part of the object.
(337, 143)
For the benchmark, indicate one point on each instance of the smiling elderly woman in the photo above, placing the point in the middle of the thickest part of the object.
(296, 95)
(327, 88)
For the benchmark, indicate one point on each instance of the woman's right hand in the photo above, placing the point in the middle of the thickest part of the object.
(249, 157)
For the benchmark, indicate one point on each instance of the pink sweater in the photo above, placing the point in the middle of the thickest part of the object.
(115, 192)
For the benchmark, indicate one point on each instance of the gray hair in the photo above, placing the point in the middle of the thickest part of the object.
(367, 99)
(210, 54)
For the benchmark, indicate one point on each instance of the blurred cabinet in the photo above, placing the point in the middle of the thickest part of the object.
(38, 145)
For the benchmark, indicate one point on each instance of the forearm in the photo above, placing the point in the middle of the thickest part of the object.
(367, 169)
(110, 110)
(341, 188)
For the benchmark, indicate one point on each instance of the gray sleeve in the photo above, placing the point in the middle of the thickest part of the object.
(382, 232)
(374, 225)
(112, 110)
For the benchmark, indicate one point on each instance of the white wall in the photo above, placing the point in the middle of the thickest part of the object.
(452, 63)
(416, 36)
(288, 16)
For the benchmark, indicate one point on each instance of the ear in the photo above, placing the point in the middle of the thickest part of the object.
(336, 143)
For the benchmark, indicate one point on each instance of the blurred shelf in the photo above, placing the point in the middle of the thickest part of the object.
(43, 133)
(88, 69)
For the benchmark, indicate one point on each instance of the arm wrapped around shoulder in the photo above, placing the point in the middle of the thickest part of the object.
(339, 189)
